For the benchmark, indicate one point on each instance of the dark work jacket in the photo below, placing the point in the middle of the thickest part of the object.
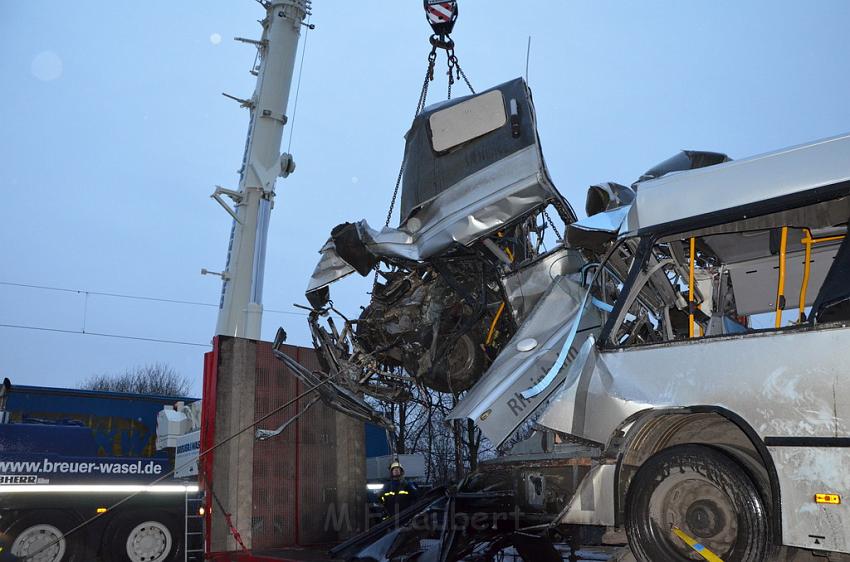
(398, 495)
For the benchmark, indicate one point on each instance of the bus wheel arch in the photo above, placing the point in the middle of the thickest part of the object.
(701, 491)
(711, 426)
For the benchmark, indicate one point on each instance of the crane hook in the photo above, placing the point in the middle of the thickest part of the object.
(442, 15)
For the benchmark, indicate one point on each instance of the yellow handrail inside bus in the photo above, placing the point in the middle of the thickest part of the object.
(780, 291)
(691, 263)
(825, 238)
(807, 268)
(808, 241)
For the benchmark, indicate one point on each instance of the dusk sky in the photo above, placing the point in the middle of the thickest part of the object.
(114, 132)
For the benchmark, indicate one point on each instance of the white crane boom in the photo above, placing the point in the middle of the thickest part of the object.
(241, 308)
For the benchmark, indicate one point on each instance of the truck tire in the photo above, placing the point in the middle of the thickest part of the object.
(40, 533)
(704, 493)
(145, 536)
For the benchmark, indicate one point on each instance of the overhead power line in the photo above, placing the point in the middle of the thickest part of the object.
(103, 335)
(85, 332)
(133, 297)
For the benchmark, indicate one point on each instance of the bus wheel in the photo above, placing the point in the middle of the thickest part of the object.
(145, 537)
(704, 493)
(39, 537)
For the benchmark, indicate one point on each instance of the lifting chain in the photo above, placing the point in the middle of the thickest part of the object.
(552, 226)
(441, 15)
(454, 72)
(451, 60)
(420, 105)
(231, 527)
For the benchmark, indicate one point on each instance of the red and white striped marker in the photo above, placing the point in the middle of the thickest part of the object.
(440, 12)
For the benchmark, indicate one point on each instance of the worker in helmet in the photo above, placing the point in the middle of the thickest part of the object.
(399, 494)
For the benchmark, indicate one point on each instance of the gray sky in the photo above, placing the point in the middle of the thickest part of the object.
(113, 134)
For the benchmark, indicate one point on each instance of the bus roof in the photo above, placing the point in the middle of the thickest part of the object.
(680, 196)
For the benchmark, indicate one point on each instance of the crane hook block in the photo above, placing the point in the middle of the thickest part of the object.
(441, 15)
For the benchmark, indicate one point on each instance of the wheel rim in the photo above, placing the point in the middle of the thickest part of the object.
(31, 543)
(698, 507)
(148, 542)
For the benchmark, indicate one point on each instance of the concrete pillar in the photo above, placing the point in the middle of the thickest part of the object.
(233, 462)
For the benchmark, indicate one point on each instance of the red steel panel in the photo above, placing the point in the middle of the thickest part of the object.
(317, 458)
(294, 473)
(275, 472)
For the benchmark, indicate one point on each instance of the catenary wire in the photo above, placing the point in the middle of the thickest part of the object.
(132, 297)
(101, 334)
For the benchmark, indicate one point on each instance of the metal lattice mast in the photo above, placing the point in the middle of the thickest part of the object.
(241, 308)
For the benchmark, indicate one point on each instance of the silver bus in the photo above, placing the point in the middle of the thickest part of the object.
(718, 385)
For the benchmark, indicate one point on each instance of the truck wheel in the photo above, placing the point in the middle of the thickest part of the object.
(704, 493)
(142, 537)
(38, 537)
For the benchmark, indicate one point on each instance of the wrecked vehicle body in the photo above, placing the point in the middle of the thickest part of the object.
(729, 425)
(646, 373)
(454, 280)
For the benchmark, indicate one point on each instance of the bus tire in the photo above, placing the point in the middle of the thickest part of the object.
(143, 536)
(35, 530)
(704, 493)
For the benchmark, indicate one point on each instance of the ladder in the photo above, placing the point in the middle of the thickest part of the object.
(193, 540)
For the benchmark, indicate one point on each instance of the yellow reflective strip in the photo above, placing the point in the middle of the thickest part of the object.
(834, 499)
(403, 492)
(699, 548)
(780, 290)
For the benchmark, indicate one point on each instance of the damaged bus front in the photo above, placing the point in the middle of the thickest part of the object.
(477, 250)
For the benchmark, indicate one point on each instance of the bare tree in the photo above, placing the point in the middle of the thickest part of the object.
(451, 449)
(154, 378)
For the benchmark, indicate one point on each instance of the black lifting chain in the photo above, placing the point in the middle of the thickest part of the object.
(454, 72)
(442, 15)
(420, 105)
